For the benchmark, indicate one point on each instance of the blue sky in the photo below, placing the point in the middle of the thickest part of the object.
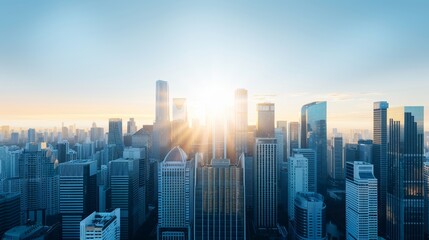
(79, 61)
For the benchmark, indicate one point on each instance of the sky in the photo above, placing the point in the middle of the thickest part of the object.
(83, 61)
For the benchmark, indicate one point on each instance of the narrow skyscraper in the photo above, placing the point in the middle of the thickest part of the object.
(361, 201)
(115, 136)
(313, 135)
(240, 122)
(310, 154)
(405, 155)
(265, 184)
(380, 160)
(293, 137)
(310, 212)
(162, 126)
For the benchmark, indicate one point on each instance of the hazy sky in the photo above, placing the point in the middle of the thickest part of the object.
(84, 61)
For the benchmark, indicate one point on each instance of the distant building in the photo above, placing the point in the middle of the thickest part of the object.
(101, 225)
(265, 124)
(240, 114)
(115, 136)
(361, 201)
(31, 137)
(293, 137)
(131, 126)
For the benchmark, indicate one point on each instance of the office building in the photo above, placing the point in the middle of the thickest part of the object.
(101, 225)
(313, 135)
(240, 126)
(405, 155)
(175, 191)
(265, 124)
(124, 190)
(310, 214)
(293, 137)
(219, 200)
(31, 136)
(162, 126)
(337, 160)
(265, 184)
(361, 201)
(297, 180)
(78, 194)
(10, 206)
(131, 126)
(310, 154)
(282, 126)
(115, 136)
(380, 160)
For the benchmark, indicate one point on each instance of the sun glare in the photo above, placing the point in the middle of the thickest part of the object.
(213, 100)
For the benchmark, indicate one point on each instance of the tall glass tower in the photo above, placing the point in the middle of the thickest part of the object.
(380, 160)
(162, 126)
(115, 136)
(313, 135)
(405, 155)
(240, 122)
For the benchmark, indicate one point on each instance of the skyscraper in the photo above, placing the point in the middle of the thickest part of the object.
(31, 137)
(405, 155)
(63, 150)
(310, 154)
(9, 211)
(313, 135)
(282, 126)
(219, 200)
(124, 187)
(131, 126)
(162, 126)
(297, 180)
(101, 225)
(361, 201)
(426, 196)
(38, 183)
(175, 191)
(265, 124)
(115, 136)
(180, 133)
(380, 160)
(78, 194)
(337, 164)
(265, 184)
(162, 99)
(240, 111)
(293, 136)
(310, 212)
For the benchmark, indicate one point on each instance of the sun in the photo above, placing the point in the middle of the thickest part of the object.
(213, 100)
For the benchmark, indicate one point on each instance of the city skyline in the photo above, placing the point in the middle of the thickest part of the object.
(348, 54)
